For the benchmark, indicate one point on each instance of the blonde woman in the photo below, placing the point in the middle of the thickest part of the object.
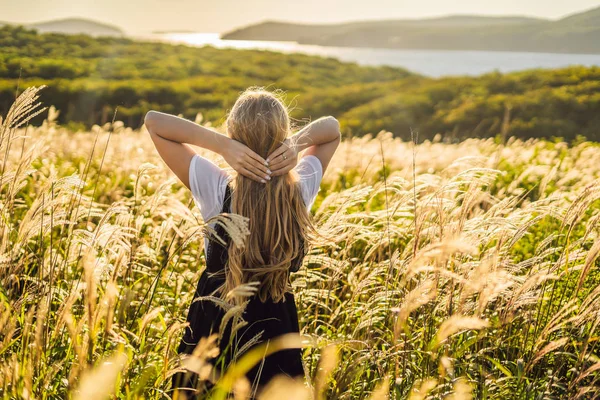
(275, 190)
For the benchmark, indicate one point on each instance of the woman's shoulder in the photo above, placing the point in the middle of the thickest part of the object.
(309, 165)
(207, 183)
(310, 172)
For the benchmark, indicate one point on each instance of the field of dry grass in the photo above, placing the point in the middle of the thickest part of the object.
(458, 271)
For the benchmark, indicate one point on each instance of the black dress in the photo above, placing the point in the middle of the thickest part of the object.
(205, 317)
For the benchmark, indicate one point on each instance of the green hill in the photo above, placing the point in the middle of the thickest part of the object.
(578, 33)
(90, 78)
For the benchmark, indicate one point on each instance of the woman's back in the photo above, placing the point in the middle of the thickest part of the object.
(264, 319)
(208, 183)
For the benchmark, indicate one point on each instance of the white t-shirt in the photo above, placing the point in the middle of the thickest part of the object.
(208, 183)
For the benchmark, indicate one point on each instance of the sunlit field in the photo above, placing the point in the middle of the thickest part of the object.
(458, 271)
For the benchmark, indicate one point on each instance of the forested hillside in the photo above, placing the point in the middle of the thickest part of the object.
(88, 78)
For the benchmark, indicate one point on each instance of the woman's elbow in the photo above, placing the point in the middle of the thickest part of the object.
(336, 128)
(149, 119)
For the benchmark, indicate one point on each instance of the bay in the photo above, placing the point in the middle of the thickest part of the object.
(433, 63)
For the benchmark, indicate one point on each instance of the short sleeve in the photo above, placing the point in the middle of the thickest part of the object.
(311, 172)
(207, 183)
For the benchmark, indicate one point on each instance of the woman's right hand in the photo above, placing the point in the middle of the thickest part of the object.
(284, 158)
(245, 161)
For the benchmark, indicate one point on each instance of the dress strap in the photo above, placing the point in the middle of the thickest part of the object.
(216, 255)
(297, 262)
(227, 199)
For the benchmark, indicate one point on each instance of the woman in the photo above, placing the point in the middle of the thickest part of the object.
(275, 192)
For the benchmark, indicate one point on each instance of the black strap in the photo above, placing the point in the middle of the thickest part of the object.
(227, 199)
(216, 254)
(297, 262)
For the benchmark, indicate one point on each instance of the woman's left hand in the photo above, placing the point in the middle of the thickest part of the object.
(245, 161)
(283, 159)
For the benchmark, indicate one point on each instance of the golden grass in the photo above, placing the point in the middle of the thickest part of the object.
(473, 275)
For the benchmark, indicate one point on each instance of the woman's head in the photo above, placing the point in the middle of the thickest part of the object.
(278, 220)
(260, 120)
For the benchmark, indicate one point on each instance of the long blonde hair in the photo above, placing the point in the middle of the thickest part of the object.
(279, 221)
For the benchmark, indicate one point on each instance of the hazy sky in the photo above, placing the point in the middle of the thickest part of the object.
(223, 15)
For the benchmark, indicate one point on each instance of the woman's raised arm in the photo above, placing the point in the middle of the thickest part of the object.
(321, 137)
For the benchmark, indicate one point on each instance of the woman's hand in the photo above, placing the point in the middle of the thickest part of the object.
(284, 158)
(245, 161)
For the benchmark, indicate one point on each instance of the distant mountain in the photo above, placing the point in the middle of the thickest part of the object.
(578, 33)
(73, 26)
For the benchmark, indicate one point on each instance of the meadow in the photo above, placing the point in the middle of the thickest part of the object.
(458, 271)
